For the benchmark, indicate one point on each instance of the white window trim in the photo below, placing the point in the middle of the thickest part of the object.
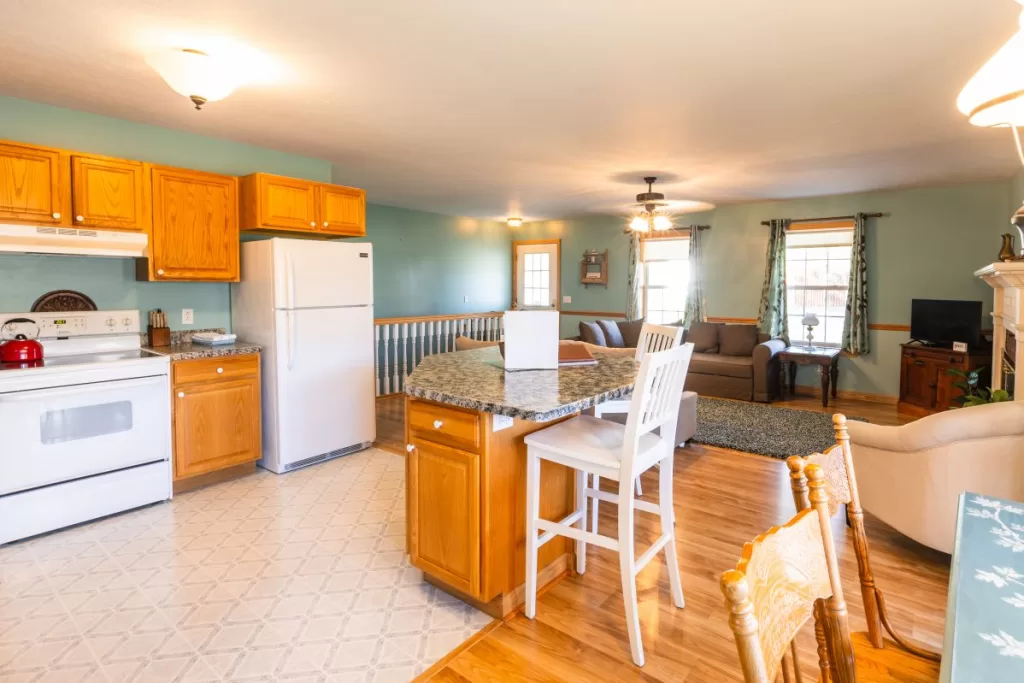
(643, 265)
(837, 288)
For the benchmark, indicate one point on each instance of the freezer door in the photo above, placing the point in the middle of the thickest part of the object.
(325, 390)
(312, 274)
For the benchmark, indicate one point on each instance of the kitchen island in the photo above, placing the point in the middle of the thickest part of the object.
(466, 468)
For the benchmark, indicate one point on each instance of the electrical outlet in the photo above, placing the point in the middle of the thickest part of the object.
(465, 298)
(188, 316)
(566, 299)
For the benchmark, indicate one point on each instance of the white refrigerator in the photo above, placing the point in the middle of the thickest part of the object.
(309, 304)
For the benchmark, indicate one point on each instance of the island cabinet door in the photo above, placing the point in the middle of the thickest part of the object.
(444, 514)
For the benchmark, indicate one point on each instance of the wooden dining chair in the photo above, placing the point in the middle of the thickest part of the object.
(653, 338)
(836, 463)
(785, 578)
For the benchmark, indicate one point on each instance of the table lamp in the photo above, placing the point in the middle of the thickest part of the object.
(810, 321)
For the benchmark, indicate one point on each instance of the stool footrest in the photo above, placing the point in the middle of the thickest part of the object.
(553, 529)
(655, 548)
(612, 498)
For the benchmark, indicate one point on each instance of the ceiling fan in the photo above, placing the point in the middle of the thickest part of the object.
(649, 215)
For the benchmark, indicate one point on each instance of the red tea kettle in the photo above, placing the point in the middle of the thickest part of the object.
(21, 349)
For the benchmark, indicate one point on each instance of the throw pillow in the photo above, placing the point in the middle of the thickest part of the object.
(631, 333)
(737, 340)
(467, 343)
(611, 334)
(704, 337)
(592, 334)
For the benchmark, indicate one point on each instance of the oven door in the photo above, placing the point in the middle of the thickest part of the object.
(57, 434)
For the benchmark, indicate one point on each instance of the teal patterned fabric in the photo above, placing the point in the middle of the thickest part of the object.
(855, 326)
(771, 315)
(634, 309)
(696, 308)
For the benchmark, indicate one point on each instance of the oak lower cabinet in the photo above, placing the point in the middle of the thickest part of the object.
(194, 236)
(465, 504)
(216, 417)
(34, 184)
(926, 386)
(275, 204)
(109, 194)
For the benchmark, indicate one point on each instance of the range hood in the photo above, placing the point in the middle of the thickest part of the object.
(33, 239)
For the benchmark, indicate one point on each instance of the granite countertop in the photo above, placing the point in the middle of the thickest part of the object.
(477, 380)
(191, 351)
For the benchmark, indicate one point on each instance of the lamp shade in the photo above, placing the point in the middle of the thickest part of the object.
(639, 224)
(995, 95)
(662, 222)
(195, 74)
(810, 320)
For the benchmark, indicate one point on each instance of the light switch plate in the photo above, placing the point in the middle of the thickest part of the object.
(566, 299)
(188, 316)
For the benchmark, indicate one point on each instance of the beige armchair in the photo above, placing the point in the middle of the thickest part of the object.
(911, 476)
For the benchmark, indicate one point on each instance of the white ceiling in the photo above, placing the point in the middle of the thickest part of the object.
(552, 107)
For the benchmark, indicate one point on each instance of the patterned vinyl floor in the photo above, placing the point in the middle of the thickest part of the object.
(301, 577)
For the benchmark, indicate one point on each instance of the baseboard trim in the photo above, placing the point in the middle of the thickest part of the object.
(886, 399)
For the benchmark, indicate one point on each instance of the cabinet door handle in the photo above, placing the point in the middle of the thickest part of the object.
(438, 424)
(409, 448)
(79, 218)
(918, 362)
(326, 224)
(181, 394)
(56, 215)
(312, 224)
(160, 272)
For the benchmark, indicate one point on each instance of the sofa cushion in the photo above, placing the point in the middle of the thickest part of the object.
(704, 337)
(592, 334)
(723, 366)
(631, 332)
(737, 340)
(612, 336)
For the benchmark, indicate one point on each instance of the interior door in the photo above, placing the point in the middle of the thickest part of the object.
(310, 274)
(325, 393)
(537, 281)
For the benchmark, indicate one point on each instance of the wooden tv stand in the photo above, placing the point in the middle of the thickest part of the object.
(925, 385)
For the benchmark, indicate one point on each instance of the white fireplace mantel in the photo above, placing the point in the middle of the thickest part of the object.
(1007, 281)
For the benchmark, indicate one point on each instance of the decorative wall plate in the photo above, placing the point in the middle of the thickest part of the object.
(60, 300)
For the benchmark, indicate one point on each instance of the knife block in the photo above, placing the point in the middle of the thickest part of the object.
(159, 336)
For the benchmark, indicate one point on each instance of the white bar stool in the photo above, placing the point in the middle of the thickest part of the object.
(652, 338)
(619, 452)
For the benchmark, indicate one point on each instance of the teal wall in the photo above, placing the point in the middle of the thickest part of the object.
(430, 264)
(927, 246)
(111, 282)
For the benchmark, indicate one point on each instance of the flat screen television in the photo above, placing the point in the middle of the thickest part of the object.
(941, 323)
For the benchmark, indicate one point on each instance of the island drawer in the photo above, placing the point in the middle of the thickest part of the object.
(445, 425)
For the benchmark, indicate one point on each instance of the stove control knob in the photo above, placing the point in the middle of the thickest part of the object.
(126, 322)
(111, 322)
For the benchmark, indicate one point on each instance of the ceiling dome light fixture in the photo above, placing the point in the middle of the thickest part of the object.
(514, 222)
(994, 97)
(195, 74)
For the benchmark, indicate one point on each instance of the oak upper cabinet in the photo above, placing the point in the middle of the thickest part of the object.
(195, 227)
(108, 193)
(216, 414)
(279, 204)
(342, 210)
(444, 513)
(34, 184)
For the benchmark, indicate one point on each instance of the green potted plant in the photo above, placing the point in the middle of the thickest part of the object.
(973, 394)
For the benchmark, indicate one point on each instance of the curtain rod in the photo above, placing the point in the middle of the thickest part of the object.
(830, 218)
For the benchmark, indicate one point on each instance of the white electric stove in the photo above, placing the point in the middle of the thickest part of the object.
(86, 432)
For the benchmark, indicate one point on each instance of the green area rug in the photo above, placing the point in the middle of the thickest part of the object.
(761, 428)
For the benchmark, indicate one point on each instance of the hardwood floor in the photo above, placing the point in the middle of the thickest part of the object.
(579, 633)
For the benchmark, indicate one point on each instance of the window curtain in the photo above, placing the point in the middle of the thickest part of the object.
(696, 308)
(634, 308)
(855, 325)
(771, 315)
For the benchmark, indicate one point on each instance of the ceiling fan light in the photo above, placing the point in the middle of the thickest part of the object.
(195, 74)
(514, 222)
(994, 96)
(639, 224)
(662, 223)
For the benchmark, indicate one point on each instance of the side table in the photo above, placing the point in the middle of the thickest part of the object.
(827, 360)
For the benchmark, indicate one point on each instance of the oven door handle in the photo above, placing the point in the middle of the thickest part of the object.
(78, 389)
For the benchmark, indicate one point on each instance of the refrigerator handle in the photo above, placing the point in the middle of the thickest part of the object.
(290, 340)
(290, 274)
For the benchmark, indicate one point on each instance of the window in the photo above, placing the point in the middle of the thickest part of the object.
(536, 285)
(535, 274)
(817, 281)
(666, 277)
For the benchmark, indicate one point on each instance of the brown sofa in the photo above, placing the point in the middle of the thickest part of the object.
(729, 361)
